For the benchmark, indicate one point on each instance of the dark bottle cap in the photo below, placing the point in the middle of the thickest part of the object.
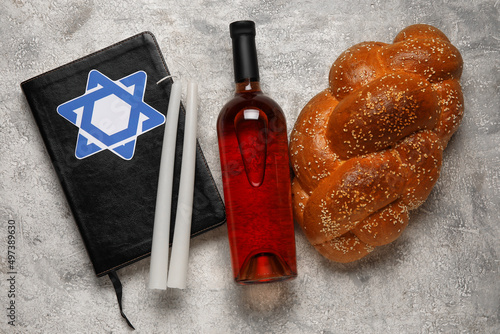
(244, 51)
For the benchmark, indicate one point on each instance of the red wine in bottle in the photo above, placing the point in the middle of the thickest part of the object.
(253, 149)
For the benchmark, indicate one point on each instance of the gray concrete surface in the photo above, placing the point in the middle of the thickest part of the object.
(441, 276)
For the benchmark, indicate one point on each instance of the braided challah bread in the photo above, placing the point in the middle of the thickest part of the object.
(368, 149)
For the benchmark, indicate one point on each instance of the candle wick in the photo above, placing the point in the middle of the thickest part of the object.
(165, 78)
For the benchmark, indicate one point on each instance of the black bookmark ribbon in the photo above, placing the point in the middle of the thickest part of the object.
(113, 276)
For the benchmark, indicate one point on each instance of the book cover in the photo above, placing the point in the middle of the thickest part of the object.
(102, 120)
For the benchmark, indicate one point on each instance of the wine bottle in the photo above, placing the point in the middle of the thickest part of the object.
(253, 150)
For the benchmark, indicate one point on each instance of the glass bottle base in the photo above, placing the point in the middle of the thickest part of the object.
(264, 267)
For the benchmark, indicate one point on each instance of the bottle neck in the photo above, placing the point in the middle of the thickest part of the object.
(246, 67)
(248, 86)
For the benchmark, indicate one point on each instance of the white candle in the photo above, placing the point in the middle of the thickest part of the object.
(180, 247)
(161, 231)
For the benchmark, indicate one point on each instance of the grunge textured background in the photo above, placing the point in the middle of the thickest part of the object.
(440, 276)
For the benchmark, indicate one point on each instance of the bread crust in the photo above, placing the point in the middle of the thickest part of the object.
(368, 149)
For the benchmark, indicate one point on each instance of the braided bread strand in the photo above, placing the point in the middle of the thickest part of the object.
(368, 149)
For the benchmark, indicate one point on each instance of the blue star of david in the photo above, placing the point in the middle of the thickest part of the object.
(111, 115)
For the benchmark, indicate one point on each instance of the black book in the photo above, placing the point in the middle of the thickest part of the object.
(102, 120)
